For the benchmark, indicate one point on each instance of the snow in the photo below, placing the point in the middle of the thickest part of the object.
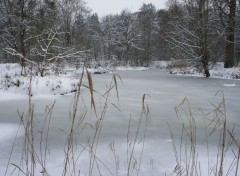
(49, 85)
(227, 73)
(9, 70)
(159, 64)
(230, 85)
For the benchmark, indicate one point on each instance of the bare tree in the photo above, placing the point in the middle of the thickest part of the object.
(127, 37)
(19, 15)
(48, 50)
(193, 34)
(69, 11)
(147, 27)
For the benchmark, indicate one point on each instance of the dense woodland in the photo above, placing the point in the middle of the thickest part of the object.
(44, 34)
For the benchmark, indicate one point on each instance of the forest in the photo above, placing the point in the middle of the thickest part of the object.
(46, 34)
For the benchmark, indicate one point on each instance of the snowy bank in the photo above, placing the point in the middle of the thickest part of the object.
(49, 85)
(218, 71)
(13, 85)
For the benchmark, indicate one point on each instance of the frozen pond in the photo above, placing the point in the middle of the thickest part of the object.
(164, 92)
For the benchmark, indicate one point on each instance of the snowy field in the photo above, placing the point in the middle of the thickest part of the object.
(165, 92)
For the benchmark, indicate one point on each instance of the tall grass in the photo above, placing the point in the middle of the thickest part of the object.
(136, 164)
(187, 150)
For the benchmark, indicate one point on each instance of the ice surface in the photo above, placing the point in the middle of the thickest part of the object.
(8, 131)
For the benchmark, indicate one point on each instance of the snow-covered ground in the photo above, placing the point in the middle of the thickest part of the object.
(164, 92)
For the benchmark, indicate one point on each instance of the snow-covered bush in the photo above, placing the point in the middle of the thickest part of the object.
(9, 82)
(229, 73)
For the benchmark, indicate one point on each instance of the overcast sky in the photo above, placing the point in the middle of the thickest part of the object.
(104, 7)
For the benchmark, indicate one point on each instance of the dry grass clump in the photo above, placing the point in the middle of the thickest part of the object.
(221, 162)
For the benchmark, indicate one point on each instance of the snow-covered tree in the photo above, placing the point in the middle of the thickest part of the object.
(48, 50)
(52, 43)
(19, 17)
(193, 34)
(128, 37)
(121, 37)
(110, 35)
(34, 33)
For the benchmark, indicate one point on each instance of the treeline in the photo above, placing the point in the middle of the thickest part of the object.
(47, 33)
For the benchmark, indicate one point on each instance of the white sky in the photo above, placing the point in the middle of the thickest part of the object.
(104, 7)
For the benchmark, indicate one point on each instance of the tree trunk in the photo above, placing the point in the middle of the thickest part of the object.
(230, 43)
(42, 73)
(229, 52)
(205, 67)
(22, 41)
(206, 72)
(23, 52)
